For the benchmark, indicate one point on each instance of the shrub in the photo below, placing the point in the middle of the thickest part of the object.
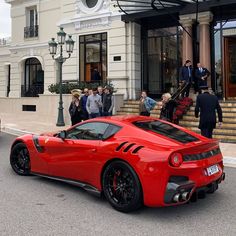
(68, 86)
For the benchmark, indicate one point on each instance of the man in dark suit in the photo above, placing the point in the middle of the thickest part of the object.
(207, 104)
(186, 77)
(201, 75)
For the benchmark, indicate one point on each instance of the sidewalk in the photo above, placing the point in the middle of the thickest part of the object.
(29, 123)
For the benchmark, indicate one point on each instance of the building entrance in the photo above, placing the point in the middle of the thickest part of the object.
(162, 60)
(230, 66)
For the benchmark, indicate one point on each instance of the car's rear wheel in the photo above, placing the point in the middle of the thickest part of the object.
(20, 159)
(121, 187)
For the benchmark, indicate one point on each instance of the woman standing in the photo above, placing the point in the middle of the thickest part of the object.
(75, 109)
(167, 107)
(146, 104)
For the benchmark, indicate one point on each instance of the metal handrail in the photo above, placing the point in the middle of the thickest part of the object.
(180, 90)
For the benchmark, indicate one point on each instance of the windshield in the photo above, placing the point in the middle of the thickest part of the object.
(166, 130)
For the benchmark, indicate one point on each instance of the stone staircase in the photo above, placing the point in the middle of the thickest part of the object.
(227, 133)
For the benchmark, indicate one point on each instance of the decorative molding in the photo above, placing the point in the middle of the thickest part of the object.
(82, 8)
(86, 17)
(189, 19)
(204, 18)
(92, 22)
(229, 32)
(23, 46)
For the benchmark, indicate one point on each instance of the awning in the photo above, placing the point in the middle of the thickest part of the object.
(165, 13)
(134, 6)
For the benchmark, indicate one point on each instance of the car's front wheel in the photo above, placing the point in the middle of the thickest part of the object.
(20, 159)
(121, 186)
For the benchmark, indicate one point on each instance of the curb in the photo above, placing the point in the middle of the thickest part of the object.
(16, 132)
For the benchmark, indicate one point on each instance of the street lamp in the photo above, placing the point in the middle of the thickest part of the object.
(61, 36)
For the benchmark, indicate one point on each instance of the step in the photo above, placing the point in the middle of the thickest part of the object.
(218, 131)
(225, 119)
(223, 104)
(224, 109)
(219, 134)
(131, 104)
(225, 114)
(195, 124)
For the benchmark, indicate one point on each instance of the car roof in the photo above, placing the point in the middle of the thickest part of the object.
(123, 118)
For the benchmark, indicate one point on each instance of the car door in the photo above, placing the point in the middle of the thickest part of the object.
(77, 154)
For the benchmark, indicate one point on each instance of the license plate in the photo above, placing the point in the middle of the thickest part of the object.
(212, 170)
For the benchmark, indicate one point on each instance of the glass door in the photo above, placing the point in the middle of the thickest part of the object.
(163, 61)
(230, 66)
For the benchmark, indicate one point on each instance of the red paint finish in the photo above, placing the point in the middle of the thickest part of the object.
(84, 160)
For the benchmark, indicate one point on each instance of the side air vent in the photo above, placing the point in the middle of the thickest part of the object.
(128, 147)
(120, 146)
(137, 149)
(37, 145)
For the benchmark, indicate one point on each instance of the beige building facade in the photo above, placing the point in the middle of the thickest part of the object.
(35, 22)
(132, 52)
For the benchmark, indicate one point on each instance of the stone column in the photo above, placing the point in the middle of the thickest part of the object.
(187, 49)
(204, 20)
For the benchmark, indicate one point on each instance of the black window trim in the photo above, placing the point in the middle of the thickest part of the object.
(102, 139)
(171, 137)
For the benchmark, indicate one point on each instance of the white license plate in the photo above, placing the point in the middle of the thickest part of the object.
(212, 170)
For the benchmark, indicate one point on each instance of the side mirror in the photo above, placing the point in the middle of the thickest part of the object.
(62, 134)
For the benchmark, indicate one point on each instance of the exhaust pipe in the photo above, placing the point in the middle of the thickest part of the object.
(176, 197)
(185, 196)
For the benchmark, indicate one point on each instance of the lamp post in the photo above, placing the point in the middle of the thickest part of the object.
(61, 40)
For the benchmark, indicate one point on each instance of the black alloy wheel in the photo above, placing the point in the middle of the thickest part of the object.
(20, 159)
(121, 187)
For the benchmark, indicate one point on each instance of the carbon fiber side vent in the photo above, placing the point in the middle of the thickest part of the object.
(120, 146)
(128, 147)
(137, 149)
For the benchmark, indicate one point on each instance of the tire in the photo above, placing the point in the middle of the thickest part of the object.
(121, 187)
(20, 159)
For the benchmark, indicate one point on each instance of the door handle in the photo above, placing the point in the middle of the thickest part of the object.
(93, 150)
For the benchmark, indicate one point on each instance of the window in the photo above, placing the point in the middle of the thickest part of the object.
(88, 131)
(110, 131)
(166, 130)
(91, 3)
(31, 29)
(34, 78)
(93, 57)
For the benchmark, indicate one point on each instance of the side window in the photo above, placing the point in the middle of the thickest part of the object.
(110, 131)
(88, 131)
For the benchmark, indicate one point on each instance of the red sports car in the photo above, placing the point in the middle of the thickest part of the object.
(132, 160)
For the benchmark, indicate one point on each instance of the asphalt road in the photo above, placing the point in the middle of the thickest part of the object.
(37, 206)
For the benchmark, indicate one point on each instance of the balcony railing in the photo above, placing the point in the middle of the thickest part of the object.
(31, 31)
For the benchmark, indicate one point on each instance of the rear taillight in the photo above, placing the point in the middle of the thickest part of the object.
(176, 159)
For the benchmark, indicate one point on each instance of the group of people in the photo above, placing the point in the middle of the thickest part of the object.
(167, 106)
(206, 104)
(197, 77)
(91, 103)
(100, 102)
